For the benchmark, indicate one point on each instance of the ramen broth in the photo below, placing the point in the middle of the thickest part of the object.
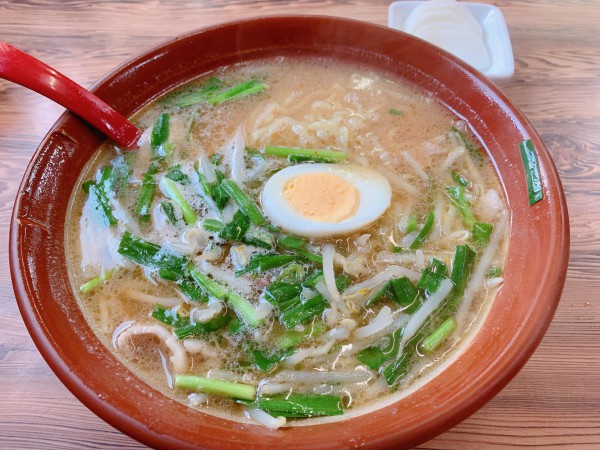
(206, 297)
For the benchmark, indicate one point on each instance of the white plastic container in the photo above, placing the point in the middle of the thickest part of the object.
(495, 35)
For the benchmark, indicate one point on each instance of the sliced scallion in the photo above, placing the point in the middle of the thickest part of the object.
(173, 192)
(238, 91)
(424, 233)
(300, 405)
(441, 333)
(532, 172)
(458, 196)
(246, 205)
(217, 387)
(320, 154)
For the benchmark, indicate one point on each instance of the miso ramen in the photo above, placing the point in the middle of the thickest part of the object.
(293, 239)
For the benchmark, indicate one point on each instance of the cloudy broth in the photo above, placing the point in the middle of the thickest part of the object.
(238, 316)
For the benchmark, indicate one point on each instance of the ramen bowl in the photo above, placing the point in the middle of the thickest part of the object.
(534, 271)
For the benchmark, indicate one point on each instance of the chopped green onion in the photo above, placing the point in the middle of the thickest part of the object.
(473, 151)
(397, 249)
(395, 112)
(240, 305)
(262, 263)
(246, 205)
(308, 154)
(411, 224)
(98, 193)
(200, 95)
(459, 179)
(169, 211)
(375, 357)
(424, 233)
(382, 291)
(177, 175)
(532, 172)
(167, 316)
(212, 225)
(304, 254)
(160, 134)
(241, 90)
(259, 238)
(217, 387)
(300, 405)
(397, 369)
(291, 338)
(206, 186)
(183, 328)
(434, 340)
(481, 233)
(146, 195)
(462, 266)
(200, 328)
(459, 199)
(406, 294)
(92, 284)
(304, 312)
(266, 360)
(173, 192)
(187, 285)
(432, 276)
(292, 273)
(278, 293)
(151, 255)
(341, 282)
(243, 309)
(99, 197)
(236, 229)
(291, 241)
(212, 287)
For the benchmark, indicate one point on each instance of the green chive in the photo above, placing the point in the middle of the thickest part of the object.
(424, 233)
(459, 199)
(300, 405)
(473, 151)
(532, 172)
(160, 134)
(241, 90)
(481, 233)
(172, 190)
(322, 155)
(435, 339)
(291, 241)
(246, 205)
(459, 179)
(169, 211)
(217, 387)
(212, 225)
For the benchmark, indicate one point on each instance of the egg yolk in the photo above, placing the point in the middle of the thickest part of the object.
(322, 197)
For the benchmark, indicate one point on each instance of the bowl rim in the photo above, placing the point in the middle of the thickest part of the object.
(488, 383)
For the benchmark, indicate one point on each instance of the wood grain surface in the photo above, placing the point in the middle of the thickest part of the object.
(554, 402)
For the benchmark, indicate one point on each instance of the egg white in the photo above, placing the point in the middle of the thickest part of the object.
(374, 191)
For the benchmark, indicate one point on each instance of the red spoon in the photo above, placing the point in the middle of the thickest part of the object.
(24, 69)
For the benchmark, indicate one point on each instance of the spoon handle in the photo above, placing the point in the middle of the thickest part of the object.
(24, 69)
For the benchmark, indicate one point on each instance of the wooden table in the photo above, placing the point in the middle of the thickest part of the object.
(553, 402)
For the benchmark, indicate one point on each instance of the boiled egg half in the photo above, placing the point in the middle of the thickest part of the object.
(322, 200)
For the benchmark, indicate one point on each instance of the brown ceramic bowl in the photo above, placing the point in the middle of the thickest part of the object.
(535, 268)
